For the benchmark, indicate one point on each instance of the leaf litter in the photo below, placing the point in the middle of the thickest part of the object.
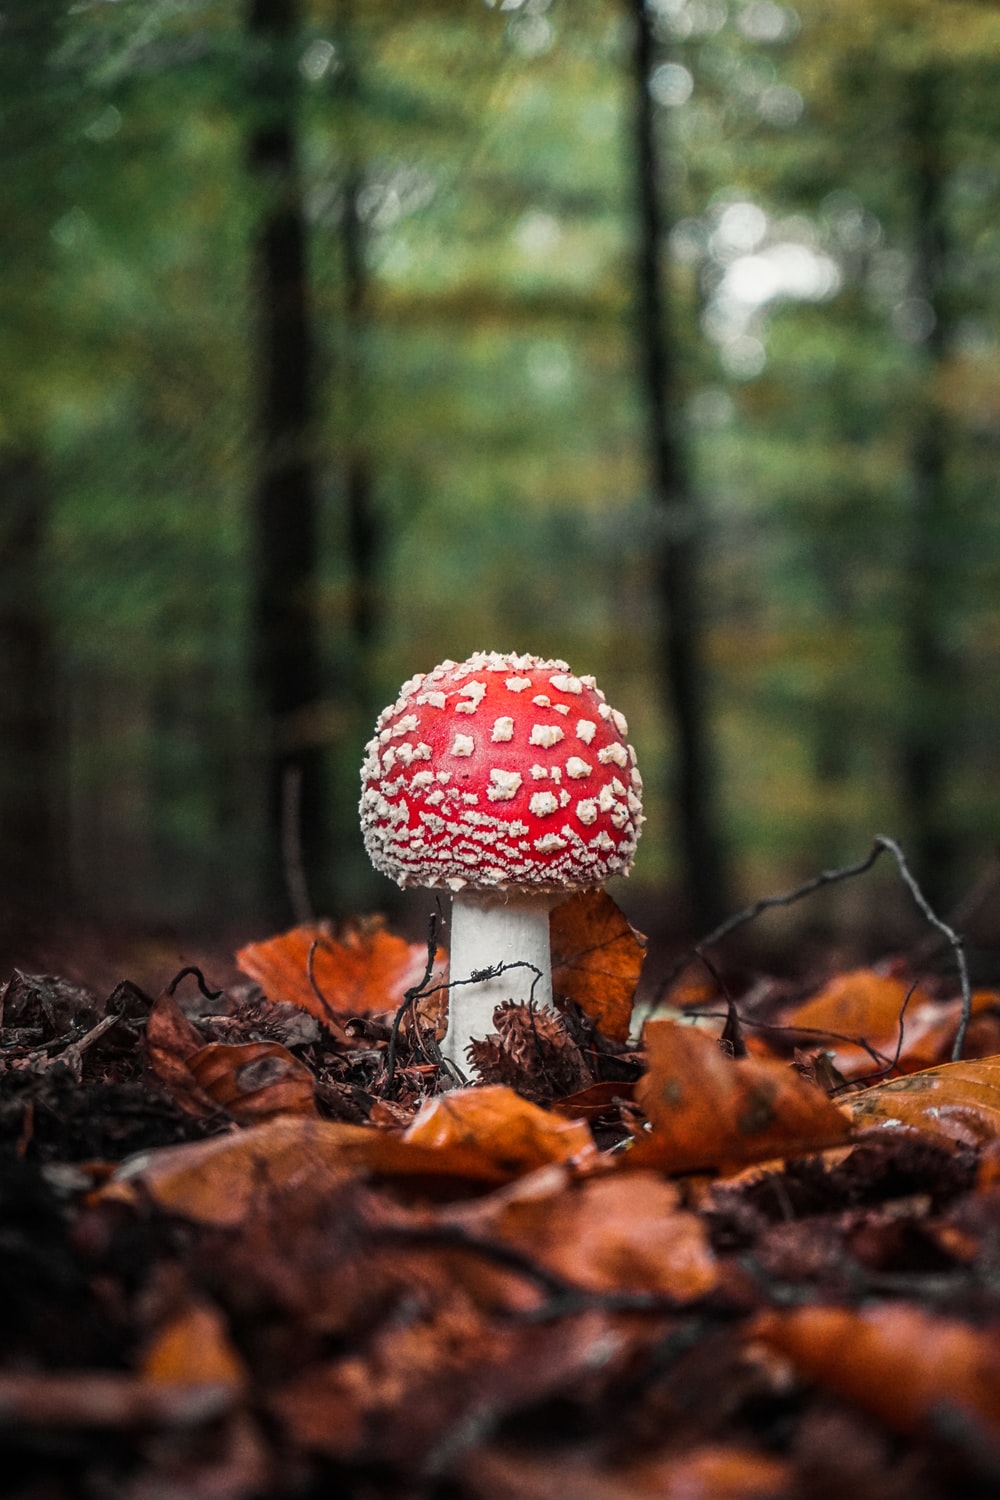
(253, 1246)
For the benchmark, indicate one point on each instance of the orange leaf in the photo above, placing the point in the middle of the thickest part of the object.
(909, 1367)
(254, 1080)
(959, 1102)
(363, 970)
(194, 1348)
(219, 1181)
(620, 1232)
(596, 960)
(708, 1111)
(515, 1134)
(862, 1003)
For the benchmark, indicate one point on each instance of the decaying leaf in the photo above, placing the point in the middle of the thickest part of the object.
(957, 1102)
(596, 960)
(913, 1369)
(709, 1112)
(360, 971)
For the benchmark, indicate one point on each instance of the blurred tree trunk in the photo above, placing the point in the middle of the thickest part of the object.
(931, 731)
(32, 872)
(285, 624)
(680, 637)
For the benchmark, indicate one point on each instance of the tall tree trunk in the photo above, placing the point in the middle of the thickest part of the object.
(285, 624)
(31, 782)
(680, 642)
(930, 728)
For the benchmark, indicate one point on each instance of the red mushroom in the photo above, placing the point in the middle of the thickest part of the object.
(510, 782)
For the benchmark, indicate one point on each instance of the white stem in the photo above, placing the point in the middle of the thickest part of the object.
(488, 934)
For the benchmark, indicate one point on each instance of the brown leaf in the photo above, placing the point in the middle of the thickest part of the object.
(615, 1233)
(530, 1051)
(255, 1080)
(710, 1112)
(708, 1472)
(220, 1180)
(513, 1133)
(194, 1348)
(957, 1102)
(362, 971)
(171, 1040)
(874, 1007)
(912, 1369)
(596, 960)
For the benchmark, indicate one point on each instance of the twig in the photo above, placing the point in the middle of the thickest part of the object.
(880, 845)
(193, 970)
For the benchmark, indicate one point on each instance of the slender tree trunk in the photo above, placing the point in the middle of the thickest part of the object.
(285, 625)
(930, 731)
(680, 641)
(32, 873)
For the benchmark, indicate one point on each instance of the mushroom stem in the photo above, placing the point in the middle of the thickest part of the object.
(487, 934)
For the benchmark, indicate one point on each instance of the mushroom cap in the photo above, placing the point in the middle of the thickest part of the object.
(502, 773)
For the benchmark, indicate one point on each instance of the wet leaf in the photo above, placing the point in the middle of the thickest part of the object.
(914, 1370)
(361, 971)
(957, 1102)
(710, 1112)
(596, 960)
(508, 1130)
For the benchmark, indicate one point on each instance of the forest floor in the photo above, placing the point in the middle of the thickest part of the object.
(250, 1245)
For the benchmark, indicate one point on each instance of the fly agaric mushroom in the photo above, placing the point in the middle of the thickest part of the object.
(510, 782)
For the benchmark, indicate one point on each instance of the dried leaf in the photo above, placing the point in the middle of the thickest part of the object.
(219, 1181)
(616, 1233)
(171, 1040)
(255, 1080)
(874, 1007)
(703, 1473)
(596, 960)
(912, 1369)
(194, 1348)
(361, 971)
(710, 1112)
(957, 1102)
(513, 1133)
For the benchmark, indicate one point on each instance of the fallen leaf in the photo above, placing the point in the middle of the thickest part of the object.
(218, 1181)
(515, 1134)
(890, 1015)
(361, 971)
(194, 1348)
(617, 1233)
(708, 1111)
(709, 1472)
(596, 960)
(171, 1039)
(254, 1080)
(957, 1102)
(912, 1369)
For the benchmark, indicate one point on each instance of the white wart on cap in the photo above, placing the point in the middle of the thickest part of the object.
(502, 773)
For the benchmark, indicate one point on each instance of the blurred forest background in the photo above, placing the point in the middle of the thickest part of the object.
(341, 336)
